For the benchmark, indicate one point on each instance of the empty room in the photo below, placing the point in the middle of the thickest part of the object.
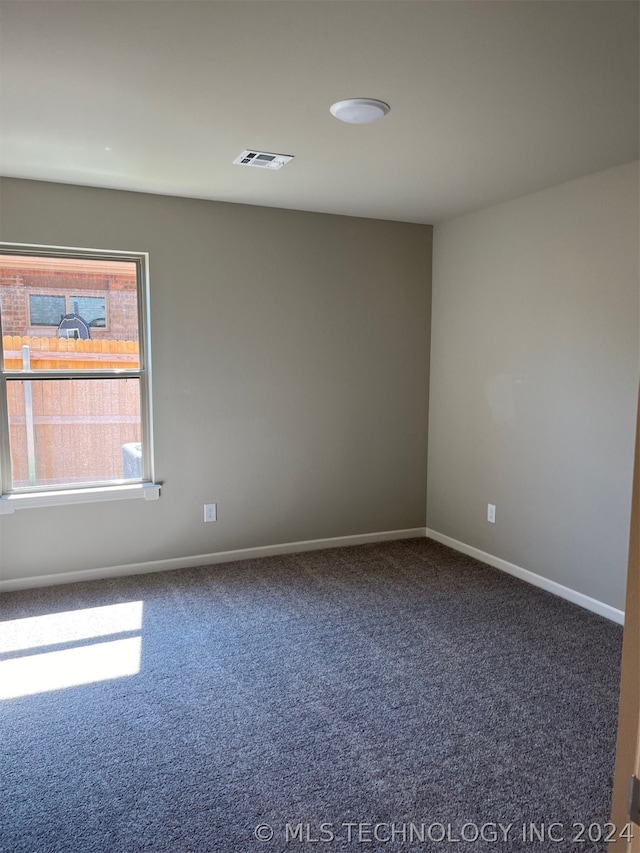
(318, 513)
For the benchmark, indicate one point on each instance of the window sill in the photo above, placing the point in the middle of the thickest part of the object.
(10, 503)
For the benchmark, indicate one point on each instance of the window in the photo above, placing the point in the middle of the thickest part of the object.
(45, 310)
(75, 402)
(90, 308)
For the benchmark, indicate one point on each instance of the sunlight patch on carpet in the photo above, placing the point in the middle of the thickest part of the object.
(70, 625)
(79, 662)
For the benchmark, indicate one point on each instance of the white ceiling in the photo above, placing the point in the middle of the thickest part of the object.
(489, 100)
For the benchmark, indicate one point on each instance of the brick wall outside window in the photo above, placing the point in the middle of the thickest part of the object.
(118, 291)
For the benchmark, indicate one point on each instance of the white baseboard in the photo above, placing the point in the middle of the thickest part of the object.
(314, 545)
(530, 577)
(207, 559)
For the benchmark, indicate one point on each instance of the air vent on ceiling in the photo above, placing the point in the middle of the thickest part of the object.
(262, 159)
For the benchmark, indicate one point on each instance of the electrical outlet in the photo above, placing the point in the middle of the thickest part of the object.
(491, 513)
(211, 512)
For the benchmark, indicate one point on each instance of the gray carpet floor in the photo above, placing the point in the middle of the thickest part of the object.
(371, 697)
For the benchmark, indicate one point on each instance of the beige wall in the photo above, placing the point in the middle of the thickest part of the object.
(534, 370)
(299, 402)
(291, 362)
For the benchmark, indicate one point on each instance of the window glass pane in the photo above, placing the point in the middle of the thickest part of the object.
(63, 432)
(46, 310)
(90, 308)
(71, 313)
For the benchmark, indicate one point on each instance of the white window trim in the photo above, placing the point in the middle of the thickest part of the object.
(30, 500)
(147, 489)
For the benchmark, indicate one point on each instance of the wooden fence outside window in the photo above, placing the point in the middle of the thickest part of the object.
(79, 425)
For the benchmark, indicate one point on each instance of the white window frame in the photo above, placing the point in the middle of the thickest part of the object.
(39, 496)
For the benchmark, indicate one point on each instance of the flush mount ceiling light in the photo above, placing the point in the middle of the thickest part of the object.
(359, 110)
